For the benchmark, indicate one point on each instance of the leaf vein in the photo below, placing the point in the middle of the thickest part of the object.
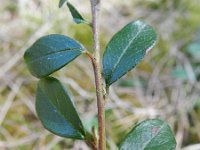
(126, 48)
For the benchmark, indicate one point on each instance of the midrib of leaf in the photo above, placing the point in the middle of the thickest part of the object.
(55, 52)
(124, 51)
(58, 103)
(60, 113)
(163, 125)
(73, 107)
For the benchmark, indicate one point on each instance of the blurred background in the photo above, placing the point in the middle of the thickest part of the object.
(165, 85)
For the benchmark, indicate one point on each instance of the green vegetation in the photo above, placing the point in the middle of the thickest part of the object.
(164, 85)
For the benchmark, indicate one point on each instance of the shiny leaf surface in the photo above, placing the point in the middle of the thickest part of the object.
(50, 53)
(150, 135)
(56, 110)
(126, 49)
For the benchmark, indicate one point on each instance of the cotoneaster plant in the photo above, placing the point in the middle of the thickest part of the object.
(125, 50)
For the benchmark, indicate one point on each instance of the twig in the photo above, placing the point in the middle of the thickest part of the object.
(9, 101)
(95, 6)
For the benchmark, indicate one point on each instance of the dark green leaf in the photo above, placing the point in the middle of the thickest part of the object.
(149, 135)
(56, 110)
(126, 49)
(75, 14)
(61, 2)
(50, 53)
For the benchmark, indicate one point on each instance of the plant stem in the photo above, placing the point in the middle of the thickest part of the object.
(95, 6)
(101, 109)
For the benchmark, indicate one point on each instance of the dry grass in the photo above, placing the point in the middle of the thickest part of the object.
(147, 92)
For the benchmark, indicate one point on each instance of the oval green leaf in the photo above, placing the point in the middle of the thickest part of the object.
(126, 49)
(76, 15)
(56, 110)
(50, 53)
(150, 135)
(61, 3)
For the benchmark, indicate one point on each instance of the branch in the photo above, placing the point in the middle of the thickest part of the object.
(95, 6)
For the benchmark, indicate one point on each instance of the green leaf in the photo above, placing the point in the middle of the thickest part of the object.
(76, 15)
(61, 2)
(56, 110)
(126, 49)
(50, 53)
(149, 135)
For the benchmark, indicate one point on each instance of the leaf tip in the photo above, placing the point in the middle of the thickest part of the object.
(61, 3)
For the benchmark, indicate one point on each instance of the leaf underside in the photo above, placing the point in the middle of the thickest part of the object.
(126, 49)
(75, 14)
(149, 135)
(50, 53)
(56, 110)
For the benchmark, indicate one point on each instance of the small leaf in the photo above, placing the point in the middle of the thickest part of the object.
(56, 110)
(76, 15)
(50, 53)
(61, 3)
(126, 49)
(150, 135)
